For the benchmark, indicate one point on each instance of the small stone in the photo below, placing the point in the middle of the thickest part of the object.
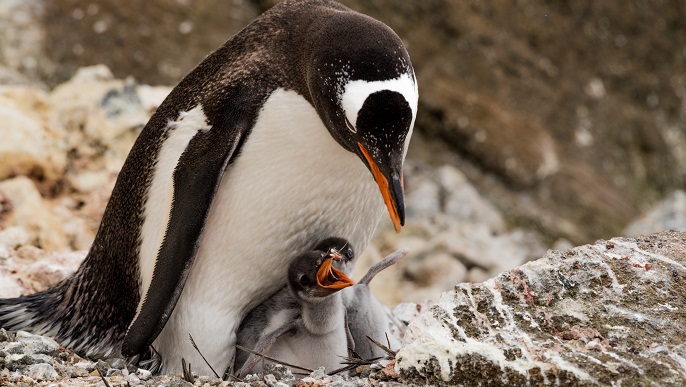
(113, 372)
(15, 362)
(85, 365)
(143, 374)
(363, 371)
(116, 362)
(35, 344)
(5, 336)
(319, 373)
(270, 380)
(204, 379)
(42, 371)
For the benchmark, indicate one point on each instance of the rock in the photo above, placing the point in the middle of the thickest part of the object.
(16, 362)
(152, 96)
(22, 38)
(42, 371)
(669, 214)
(30, 213)
(9, 286)
(423, 199)
(102, 117)
(117, 363)
(603, 314)
(475, 245)
(143, 374)
(55, 267)
(463, 203)
(439, 271)
(37, 345)
(13, 237)
(31, 143)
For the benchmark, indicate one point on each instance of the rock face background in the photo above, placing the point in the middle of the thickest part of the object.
(540, 125)
(569, 117)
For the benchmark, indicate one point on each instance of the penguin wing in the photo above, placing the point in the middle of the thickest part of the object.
(264, 344)
(195, 180)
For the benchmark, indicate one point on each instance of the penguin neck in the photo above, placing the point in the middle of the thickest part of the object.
(323, 315)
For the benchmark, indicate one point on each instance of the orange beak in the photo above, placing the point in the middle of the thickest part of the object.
(392, 193)
(328, 277)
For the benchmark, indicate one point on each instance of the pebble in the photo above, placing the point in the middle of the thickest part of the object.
(143, 374)
(42, 371)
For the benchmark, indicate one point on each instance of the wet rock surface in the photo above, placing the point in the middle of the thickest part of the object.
(601, 314)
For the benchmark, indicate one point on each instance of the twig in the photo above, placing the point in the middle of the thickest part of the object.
(353, 362)
(187, 374)
(203, 357)
(102, 377)
(242, 348)
(388, 351)
(228, 372)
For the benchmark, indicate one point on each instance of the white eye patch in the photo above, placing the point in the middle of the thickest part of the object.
(356, 92)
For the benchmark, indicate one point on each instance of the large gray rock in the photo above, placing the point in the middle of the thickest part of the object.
(601, 314)
(668, 214)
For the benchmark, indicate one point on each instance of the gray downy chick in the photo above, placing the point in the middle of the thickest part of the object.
(304, 323)
(366, 315)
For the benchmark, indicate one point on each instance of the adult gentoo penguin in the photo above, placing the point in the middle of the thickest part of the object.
(304, 323)
(294, 130)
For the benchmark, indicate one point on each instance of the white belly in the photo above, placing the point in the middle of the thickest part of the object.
(291, 186)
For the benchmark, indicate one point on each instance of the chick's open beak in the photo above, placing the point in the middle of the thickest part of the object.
(328, 277)
(391, 188)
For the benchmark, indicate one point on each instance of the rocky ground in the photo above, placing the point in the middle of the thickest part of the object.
(540, 126)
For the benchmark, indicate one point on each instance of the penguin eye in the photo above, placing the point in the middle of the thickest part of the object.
(304, 280)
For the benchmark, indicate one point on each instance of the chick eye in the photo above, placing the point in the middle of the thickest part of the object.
(304, 280)
(348, 254)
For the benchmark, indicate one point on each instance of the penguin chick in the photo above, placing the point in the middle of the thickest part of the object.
(304, 323)
(366, 315)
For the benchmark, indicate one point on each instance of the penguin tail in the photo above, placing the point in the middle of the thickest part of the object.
(55, 313)
(32, 313)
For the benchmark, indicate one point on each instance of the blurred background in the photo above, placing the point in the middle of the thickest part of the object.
(541, 124)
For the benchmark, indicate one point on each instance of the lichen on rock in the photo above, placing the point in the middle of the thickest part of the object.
(600, 314)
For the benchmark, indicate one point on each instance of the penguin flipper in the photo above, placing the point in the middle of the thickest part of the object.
(383, 264)
(348, 334)
(263, 346)
(195, 181)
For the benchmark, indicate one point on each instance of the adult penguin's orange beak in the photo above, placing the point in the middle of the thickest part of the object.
(391, 187)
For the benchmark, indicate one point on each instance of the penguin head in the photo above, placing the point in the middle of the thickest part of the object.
(313, 276)
(364, 89)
